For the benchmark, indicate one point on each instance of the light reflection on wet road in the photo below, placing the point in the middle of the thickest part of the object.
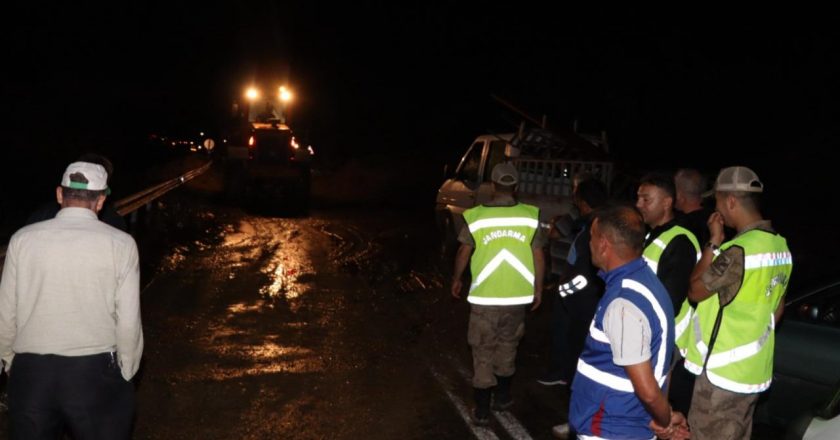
(280, 328)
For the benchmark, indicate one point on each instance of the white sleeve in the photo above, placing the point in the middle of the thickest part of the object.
(8, 306)
(129, 326)
(629, 332)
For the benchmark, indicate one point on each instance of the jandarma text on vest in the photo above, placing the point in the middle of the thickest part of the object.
(504, 233)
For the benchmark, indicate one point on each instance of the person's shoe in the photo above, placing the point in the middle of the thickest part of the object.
(481, 414)
(552, 380)
(502, 399)
(560, 431)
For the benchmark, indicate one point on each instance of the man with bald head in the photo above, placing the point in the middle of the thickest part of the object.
(690, 185)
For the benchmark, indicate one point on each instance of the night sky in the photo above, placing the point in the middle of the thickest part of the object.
(372, 78)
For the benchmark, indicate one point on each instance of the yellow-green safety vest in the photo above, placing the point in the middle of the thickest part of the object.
(652, 253)
(741, 359)
(502, 264)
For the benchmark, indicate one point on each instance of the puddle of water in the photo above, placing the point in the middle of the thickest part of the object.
(286, 273)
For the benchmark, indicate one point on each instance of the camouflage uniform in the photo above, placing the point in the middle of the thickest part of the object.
(494, 333)
(716, 413)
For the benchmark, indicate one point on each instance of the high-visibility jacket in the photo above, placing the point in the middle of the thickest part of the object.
(652, 253)
(741, 358)
(502, 264)
(604, 402)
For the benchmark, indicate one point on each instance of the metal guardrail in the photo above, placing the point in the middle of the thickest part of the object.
(131, 203)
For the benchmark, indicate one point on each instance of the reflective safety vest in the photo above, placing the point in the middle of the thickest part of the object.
(502, 264)
(604, 402)
(652, 253)
(741, 359)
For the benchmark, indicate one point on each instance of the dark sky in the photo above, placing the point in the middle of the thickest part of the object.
(688, 90)
(412, 77)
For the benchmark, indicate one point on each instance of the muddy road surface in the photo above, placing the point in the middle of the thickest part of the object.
(336, 325)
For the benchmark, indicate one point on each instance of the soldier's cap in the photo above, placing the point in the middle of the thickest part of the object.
(85, 175)
(736, 179)
(505, 174)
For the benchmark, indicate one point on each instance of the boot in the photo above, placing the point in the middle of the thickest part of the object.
(502, 400)
(481, 415)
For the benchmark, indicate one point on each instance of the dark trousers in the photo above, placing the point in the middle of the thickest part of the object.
(85, 394)
(560, 354)
(681, 387)
(571, 318)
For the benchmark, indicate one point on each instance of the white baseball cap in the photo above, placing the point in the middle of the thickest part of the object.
(85, 175)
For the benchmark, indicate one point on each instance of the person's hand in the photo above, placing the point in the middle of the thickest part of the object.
(456, 288)
(677, 429)
(715, 224)
(537, 299)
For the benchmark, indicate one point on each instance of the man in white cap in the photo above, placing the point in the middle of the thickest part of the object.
(739, 286)
(503, 241)
(70, 330)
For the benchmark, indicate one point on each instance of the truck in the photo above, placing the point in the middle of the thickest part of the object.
(547, 162)
(263, 157)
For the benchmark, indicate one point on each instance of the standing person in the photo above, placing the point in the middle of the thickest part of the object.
(107, 214)
(738, 286)
(691, 213)
(671, 251)
(503, 243)
(70, 331)
(580, 291)
(618, 389)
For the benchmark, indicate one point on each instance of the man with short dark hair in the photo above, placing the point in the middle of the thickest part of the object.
(502, 240)
(70, 330)
(618, 389)
(671, 251)
(580, 289)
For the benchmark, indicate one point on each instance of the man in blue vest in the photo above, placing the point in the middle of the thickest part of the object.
(617, 392)
(502, 240)
(738, 286)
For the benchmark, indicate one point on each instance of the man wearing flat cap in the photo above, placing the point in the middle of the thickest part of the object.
(502, 240)
(70, 331)
(738, 286)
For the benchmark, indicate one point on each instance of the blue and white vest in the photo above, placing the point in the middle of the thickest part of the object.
(603, 401)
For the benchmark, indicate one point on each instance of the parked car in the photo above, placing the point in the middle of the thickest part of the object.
(804, 399)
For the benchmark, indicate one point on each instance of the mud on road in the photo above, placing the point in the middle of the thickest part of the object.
(336, 325)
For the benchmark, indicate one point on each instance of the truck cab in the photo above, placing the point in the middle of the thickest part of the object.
(546, 163)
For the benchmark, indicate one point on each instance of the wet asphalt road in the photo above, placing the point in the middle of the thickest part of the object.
(272, 328)
(336, 325)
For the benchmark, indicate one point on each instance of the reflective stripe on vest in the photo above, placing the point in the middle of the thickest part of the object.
(502, 263)
(502, 222)
(609, 380)
(652, 253)
(742, 356)
(683, 319)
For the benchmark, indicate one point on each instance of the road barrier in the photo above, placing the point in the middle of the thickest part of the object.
(130, 204)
